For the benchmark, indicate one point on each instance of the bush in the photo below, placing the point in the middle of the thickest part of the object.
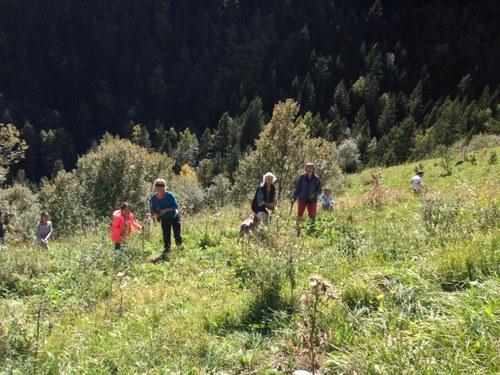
(219, 192)
(117, 171)
(189, 194)
(22, 212)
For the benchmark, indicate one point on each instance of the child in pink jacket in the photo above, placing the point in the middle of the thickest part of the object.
(123, 223)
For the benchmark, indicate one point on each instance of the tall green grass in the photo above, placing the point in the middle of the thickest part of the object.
(416, 281)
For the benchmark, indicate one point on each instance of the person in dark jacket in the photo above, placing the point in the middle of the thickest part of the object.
(264, 200)
(307, 191)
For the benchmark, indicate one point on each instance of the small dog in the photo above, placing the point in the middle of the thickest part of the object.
(248, 226)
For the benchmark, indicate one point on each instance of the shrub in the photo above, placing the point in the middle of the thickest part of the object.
(188, 193)
(62, 197)
(22, 212)
(219, 192)
(117, 171)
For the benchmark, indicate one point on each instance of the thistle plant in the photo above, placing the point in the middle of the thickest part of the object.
(376, 189)
(312, 338)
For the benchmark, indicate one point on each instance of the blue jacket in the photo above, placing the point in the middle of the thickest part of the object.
(307, 190)
(167, 201)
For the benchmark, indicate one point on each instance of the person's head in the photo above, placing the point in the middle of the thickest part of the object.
(45, 216)
(420, 173)
(160, 185)
(269, 178)
(310, 169)
(328, 191)
(126, 208)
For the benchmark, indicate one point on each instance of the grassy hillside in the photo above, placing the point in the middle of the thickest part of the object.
(404, 284)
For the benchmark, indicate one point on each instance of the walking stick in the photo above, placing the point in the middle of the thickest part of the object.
(291, 207)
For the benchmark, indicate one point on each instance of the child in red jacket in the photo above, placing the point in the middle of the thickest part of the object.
(123, 224)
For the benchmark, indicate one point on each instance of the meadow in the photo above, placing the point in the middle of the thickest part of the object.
(388, 283)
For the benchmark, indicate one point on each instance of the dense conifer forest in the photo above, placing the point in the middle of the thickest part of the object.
(199, 79)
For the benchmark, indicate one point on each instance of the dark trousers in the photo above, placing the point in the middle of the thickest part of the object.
(166, 226)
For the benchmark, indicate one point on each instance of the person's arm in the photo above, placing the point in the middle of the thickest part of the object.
(49, 226)
(318, 187)
(133, 224)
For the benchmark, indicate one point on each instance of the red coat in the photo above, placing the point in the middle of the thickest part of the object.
(119, 224)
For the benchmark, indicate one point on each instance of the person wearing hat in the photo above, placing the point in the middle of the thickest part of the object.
(416, 181)
(264, 199)
(326, 199)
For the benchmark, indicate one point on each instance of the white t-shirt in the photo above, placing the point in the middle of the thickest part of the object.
(415, 182)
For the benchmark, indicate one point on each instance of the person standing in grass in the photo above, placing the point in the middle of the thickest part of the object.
(307, 191)
(2, 233)
(165, 208)
(416, 182)
(44, 230)
(123, 224)
(264, 200)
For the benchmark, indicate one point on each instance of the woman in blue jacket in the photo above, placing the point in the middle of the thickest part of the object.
(307, 191)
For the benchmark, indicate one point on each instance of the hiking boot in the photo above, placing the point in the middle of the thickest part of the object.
(165, 256)
(297, 231)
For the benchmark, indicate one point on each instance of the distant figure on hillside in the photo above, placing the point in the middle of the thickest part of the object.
(416, 182)
(264, 200)
(123, 224)
(2, 233)
(44, 230)
(326, 199)
(307, 192)
(165, 208)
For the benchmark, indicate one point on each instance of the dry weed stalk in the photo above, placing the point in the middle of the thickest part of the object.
(312, 338)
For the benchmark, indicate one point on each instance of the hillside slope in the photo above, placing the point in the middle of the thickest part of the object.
(403, 282)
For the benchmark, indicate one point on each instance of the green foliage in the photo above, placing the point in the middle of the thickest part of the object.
(188, 193)
(21, 212)
(493, 158)
(12, 148)
(117, 171)
(284, 147)
(415, 280)
(446, 160)
(56, 149)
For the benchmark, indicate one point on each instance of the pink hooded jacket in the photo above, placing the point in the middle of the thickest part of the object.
(119, 224)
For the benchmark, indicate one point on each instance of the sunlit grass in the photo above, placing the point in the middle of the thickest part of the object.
(417, 280)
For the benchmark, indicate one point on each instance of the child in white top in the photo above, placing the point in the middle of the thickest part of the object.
(326, 199)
